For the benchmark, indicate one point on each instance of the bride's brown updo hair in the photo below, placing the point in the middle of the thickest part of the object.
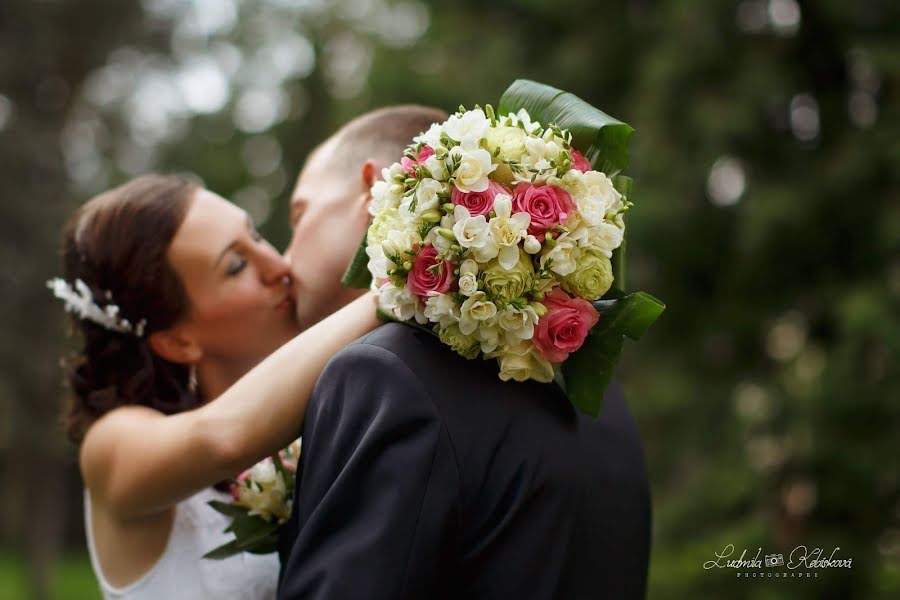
(117, 243)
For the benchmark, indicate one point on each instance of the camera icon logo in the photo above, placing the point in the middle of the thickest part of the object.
(774, 560)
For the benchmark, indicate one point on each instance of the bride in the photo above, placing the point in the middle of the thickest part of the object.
(178, 300)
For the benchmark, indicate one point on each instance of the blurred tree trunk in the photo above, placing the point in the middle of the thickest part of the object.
(46, 51)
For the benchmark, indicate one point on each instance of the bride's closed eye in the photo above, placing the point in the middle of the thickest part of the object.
(238, 262)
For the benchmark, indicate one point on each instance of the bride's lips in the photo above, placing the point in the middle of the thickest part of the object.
(286, 304)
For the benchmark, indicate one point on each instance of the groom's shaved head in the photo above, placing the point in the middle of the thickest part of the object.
(380, 135)
(329, 206)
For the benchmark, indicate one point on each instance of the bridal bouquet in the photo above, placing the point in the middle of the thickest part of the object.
(502, 232)
(261, 502)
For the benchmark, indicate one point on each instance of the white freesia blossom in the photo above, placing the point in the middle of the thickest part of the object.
(507, 230)
(471, 232)
(441, 308)
(432, 137)
(488, 337)
(427, 195)
(379, 264)
(522, 117)
(477, 309)
(474, 167)
(468, 128)
(468, 266)
(564, 254)
(437, 167)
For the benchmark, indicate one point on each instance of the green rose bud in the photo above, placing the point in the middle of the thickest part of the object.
(506, 286)
(592, 277)
(465, 345)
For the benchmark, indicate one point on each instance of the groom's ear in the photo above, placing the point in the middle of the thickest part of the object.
(175, 345)
(369, 174)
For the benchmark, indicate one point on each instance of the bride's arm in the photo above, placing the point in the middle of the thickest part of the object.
(137, 461)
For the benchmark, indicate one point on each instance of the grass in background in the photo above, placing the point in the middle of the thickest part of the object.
(73, 579)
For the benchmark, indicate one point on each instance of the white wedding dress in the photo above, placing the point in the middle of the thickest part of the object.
(182, 572)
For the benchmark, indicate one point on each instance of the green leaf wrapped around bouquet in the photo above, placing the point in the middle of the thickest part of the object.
(602, 139)
(588, 371)
(252, 533)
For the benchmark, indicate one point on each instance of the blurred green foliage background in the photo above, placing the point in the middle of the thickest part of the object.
(767, 217)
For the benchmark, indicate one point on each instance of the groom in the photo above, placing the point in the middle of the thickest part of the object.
(423, 475)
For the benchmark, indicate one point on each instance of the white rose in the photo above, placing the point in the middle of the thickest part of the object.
(468, 284)
(517, 324)
(468, 128)
(382, 198)
(509, 140)
(598, 187)
(263, 472)
(606, 237)
(507, 230)
(474, 167)
(522, 363)
(400, 302)
(441, 308)
(475, 310)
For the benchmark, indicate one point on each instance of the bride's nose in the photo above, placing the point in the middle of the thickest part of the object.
(274, 268)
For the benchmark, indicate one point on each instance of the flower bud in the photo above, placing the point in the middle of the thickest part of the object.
(407, 265)
(446, 234)
(431, 216)
(389, 248)
(532, 245)
(539, 309)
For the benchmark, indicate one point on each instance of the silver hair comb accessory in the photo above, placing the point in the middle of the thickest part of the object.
(80, 301)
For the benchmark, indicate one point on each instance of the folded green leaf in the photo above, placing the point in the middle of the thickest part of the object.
(224, 551)
(229, 510)
(631, 315)
(357, 274)
(587, 373)
(601, 138)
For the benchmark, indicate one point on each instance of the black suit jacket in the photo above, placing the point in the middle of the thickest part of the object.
(424, 476)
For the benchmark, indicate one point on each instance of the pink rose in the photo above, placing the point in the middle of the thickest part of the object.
(579, 162)
(234, 487)
(548, 206)
(563, 328)
(478, 203)
(421, 280)
(410, 165)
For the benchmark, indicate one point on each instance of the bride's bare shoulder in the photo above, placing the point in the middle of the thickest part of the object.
(107, 436)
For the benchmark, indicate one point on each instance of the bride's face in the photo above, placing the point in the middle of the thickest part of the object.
(239, 287)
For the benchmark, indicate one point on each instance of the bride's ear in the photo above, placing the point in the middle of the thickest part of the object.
(175, 345)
